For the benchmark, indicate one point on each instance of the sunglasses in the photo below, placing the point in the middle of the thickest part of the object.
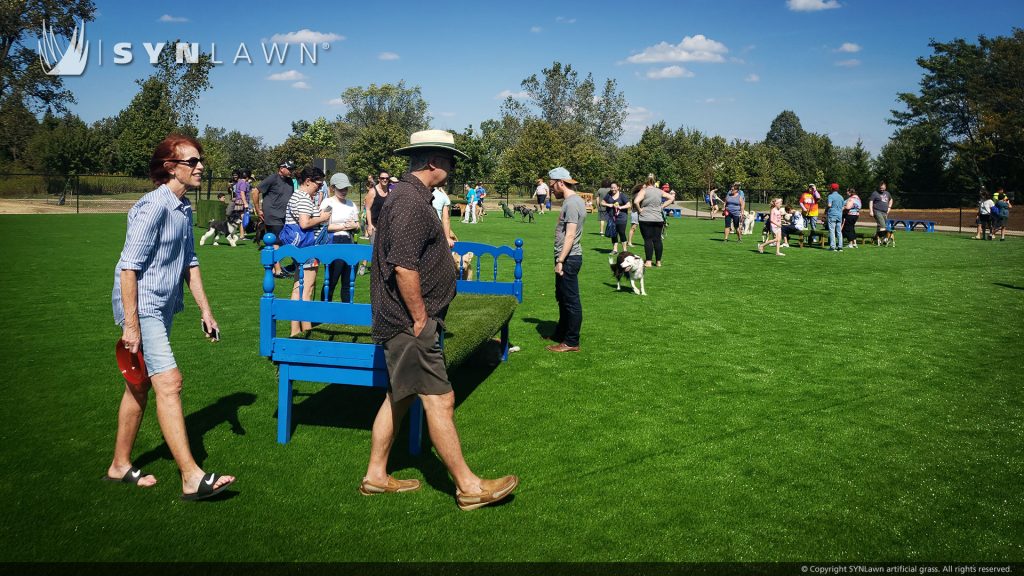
(191, 162)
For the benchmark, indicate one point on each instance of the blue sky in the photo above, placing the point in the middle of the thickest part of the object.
(725, 67)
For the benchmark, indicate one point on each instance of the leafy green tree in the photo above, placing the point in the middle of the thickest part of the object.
(648, 156)
(146, 121)
(537, 150)
(391, 104)
(21, 76)
(854, 167)
(17, 125)
(61, 146)
(971, 94)
(914, 164)
(373, 150)
(184, 82)
(244, 151)
(321, 138)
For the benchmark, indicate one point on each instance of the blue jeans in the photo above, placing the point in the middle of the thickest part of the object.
(835, 234)
(570, 309)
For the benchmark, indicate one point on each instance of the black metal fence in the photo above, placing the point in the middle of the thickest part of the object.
(91, 193)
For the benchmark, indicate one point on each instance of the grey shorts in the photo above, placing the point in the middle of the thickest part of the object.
(416, 364)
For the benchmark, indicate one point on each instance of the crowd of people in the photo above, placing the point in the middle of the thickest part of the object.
(412, 279)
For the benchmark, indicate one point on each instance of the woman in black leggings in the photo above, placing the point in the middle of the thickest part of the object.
(650, 202)
(616, 207)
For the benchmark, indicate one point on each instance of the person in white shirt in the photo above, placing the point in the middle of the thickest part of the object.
(344, 221)
(541, 193)
(442, 204)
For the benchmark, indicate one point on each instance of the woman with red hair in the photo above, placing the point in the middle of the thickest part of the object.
(158, 257)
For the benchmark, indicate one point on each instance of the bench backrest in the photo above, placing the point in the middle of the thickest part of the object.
(273, 309)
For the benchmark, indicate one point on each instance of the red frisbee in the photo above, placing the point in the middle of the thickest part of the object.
(132, 366)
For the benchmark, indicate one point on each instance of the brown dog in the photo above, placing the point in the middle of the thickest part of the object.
(465, 263)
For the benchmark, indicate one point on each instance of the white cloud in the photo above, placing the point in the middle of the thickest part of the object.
(849, 47)
(290, 75)
(811, 5)
(515, 95)
(851, 63)
(697, 48)
(306, 36)
(172, 19)
(637, 118)
(535, 29)
(564, 20)
(388, 56)
(335, 102)
(669, 72)
(301, 85)
(752, 78)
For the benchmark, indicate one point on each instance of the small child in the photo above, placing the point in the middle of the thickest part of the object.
(229, 206)
(775, 228)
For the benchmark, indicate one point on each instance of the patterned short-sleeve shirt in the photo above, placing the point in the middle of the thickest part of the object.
(409, 235)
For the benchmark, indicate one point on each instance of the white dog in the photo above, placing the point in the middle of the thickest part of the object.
(748, 222)
(631, 264)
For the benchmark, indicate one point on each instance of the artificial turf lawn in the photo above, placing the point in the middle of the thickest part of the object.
(857, 406)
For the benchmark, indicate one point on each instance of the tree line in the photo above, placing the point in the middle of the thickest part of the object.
(962, 130)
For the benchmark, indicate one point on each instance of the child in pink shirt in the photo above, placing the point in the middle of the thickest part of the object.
(775, 219)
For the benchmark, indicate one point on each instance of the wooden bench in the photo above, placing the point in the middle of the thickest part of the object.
(910, 224)
(673, 211)
(339, 349)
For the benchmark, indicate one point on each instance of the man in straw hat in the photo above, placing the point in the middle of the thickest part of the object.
(411, 286)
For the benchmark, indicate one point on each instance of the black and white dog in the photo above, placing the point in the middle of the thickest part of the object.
(228, 228)
(627, 263)
(525, 212)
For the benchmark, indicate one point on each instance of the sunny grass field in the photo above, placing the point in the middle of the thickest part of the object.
(856, 406)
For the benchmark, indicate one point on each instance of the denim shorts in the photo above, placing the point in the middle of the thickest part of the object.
(156, 346)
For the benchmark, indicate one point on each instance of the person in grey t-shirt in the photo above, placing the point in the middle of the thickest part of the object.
(879, 205)
(568, 261)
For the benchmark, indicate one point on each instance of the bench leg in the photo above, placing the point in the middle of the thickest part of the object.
(416, 427)
(504, 343)
(284, 405)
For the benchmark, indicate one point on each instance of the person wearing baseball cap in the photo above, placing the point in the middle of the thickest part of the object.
(344, 221)
(412, 283)
(270, 199)
(568, 261)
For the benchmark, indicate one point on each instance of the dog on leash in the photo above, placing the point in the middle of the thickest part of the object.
(464, 265)
(227, 228)
(627, 263)
(747, 221)
(525, 212)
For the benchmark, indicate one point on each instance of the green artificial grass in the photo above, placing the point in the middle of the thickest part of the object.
(855, 406)
(472, 321)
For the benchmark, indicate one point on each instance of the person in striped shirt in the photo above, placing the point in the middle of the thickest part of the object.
(157, 259)
(302, 219)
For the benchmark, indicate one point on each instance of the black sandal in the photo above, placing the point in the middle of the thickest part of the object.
(206, 488)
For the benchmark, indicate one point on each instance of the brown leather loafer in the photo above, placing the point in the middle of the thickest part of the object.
(562, 347)
(491, 491)
(392, 486)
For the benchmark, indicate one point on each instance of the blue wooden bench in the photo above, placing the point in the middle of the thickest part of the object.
(909, 224)
(355, 362)
(673, 211)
